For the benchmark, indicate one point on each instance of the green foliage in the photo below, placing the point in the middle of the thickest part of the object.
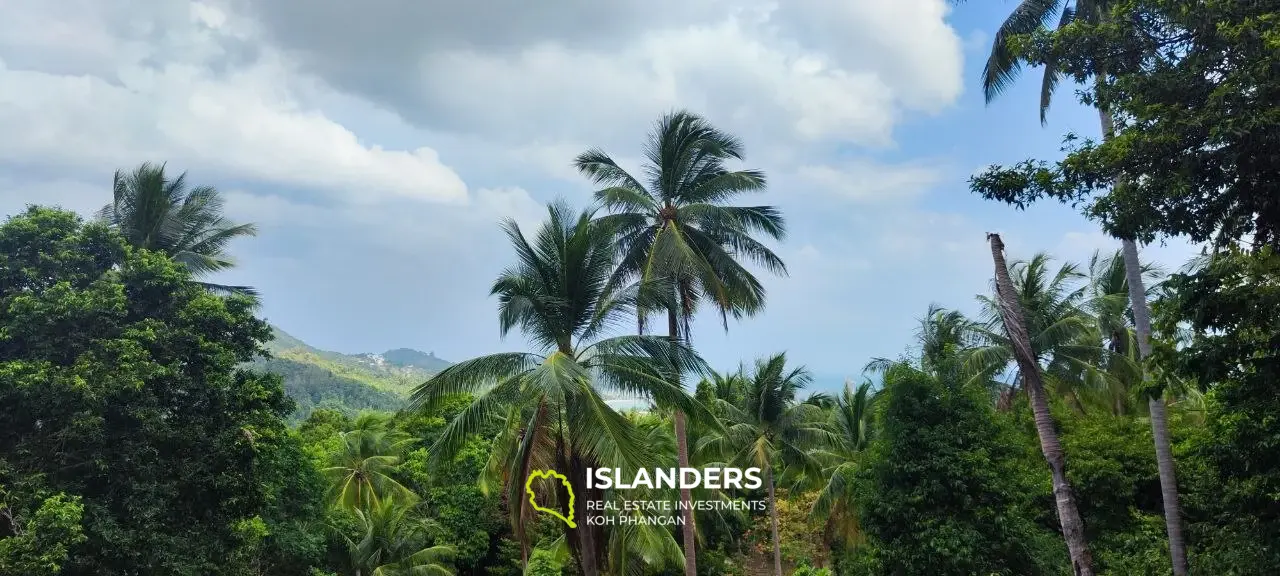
(393, 539)
(1192, 87)
(807, 570)
(801, 536)
(142, 422)
(1113, 473)
(320, 431)
(466, 517)
(293, 492)
(770, 426)
(39, 546)
(947, 488)
(543, 563)
(716, 562)
(118, 385)
(1230, 306)
(398, 372)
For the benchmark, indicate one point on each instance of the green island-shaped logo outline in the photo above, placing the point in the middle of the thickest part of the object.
(528, 488)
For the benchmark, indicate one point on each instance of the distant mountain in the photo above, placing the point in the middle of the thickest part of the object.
(350, 383)
(317, 378)
(409, 358)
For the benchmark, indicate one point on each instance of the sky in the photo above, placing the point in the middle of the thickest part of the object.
(378, 144)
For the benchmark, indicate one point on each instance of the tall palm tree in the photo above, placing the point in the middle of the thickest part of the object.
(771, 426)
(1109, 303)
(1064, 337)
(850, 420)
(676, 223)
(155, 212)
(640, 548)
(1020, 344)
(944, 335)
(559, 296)
(946, 339)
(1001, 70)
(391, 542)
(360, 473)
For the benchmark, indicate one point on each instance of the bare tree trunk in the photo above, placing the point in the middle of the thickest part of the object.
(1159, 417)
(773, 519)
(688, 530)
(1015, 326)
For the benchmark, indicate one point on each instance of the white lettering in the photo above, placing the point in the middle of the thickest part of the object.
(666, 477)
(605, 481)
(642, 479)
(686, 482)
(711, 478)
(732, 478)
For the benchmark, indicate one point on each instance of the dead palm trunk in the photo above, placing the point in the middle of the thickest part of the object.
(688, 530)
(1029, 369)
(773, 520)
(1155, 403)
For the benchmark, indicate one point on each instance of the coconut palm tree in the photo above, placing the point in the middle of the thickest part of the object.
(155, 212)
(945, 339)
(559, 295)
(1108, 302)
(944, 336)
(1064, 337)
(850, 419)
(1002, 69)
(771, 426)
(1020, 345)
(392, 542)
(642, 548)
(676, 223)
(360, 473)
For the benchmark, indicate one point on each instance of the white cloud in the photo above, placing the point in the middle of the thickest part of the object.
(863, 181)
(808, 70)
(245, 122)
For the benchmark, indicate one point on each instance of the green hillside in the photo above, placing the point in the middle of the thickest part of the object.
(351, 383)
(311, 387)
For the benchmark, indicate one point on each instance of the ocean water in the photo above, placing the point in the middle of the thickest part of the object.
(825, 383)
(622, 404)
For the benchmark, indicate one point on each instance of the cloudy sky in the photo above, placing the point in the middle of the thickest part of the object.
(378, 143)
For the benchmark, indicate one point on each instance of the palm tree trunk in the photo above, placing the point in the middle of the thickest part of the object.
(1029, 369)
(773, 520)
(582, 540)
(590, 536)
(1159, 418)
(688, 530)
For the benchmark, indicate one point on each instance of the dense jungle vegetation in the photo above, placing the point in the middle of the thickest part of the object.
(1100, 417)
